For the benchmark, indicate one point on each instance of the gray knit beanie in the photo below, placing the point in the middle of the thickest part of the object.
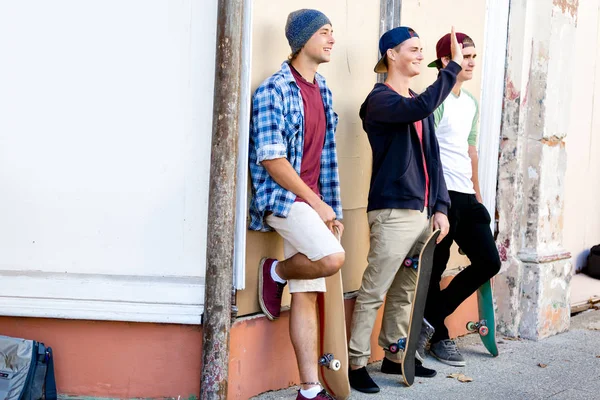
(301, 25)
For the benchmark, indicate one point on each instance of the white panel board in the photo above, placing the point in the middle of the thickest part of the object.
(105, 127)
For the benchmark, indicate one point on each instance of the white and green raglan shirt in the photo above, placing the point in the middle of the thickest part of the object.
(456, 130)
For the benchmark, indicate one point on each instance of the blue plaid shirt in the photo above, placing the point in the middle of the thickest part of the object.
(276, 131)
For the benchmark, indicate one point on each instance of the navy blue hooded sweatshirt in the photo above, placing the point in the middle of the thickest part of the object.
(398, 177)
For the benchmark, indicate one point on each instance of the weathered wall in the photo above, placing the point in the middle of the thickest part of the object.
(533, 290)
(582, 217)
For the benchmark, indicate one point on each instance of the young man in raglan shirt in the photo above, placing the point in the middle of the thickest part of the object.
(294, 172)
(456, 130)
(407, 189)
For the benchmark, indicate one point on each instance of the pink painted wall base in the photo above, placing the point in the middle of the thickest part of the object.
(139, 360)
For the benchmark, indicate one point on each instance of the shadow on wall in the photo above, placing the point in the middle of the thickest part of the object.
(581, 260)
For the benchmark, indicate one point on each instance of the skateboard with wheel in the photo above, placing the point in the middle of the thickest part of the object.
(333, 343)
(486, 326)
(423, 266)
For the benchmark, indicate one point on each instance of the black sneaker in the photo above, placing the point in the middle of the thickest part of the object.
(423, 372)
(390, 367)
(361, 381)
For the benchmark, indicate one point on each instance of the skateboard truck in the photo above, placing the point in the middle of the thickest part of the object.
(396, 347)
(328, 361)
(410, 262)
(480, 327)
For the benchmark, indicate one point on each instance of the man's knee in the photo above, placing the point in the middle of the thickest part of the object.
(492, 264)
(495, 265)
(332, 263)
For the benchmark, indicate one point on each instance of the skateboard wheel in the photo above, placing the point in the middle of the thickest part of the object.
(471, 326)
(326, 360)
(402, 343)
(484, 330)
(408, 262)
(394, 348)
(335, 365)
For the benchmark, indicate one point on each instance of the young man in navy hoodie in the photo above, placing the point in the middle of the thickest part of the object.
(407, 190)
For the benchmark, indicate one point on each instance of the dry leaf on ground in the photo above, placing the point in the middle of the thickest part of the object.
(594, 327)
(460, 377)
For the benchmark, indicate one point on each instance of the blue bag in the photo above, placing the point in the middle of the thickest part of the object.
(26, 370)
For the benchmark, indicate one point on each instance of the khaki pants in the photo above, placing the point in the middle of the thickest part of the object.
(395, 234)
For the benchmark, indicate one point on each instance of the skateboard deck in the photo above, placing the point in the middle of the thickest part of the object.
(333, 343)
(486, 326)
(409, 344)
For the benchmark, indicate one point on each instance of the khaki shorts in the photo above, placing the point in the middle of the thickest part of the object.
(304, 232)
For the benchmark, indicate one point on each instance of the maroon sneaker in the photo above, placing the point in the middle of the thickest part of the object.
(269, 291)
(323, 395)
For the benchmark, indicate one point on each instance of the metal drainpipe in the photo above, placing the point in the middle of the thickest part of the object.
(389, 17)
(221, 207)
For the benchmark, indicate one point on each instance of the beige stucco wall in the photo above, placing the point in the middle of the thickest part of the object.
(350, 76)
(432, 19)
(582, 214)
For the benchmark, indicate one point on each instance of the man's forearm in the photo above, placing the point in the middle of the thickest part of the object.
(286, 176)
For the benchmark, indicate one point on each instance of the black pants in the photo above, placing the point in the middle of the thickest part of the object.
(470, 228)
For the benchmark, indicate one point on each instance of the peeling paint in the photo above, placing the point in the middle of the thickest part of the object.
(553, 141)
(532, 172)
(568, 7)
(533, 288)
(503, 251)
(555, 320)
(558, 282)
(511, 92)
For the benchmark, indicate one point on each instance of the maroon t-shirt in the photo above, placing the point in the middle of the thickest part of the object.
(314, 132)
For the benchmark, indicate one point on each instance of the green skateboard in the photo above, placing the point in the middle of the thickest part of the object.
(486, 326)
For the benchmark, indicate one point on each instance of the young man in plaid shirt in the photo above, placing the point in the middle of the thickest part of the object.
(293, 166)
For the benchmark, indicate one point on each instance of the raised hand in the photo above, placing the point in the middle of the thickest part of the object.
(456, 48)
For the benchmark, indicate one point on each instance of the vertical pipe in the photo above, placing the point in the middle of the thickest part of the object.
(492, 95)
(389, 17)
(241, 223)
(221, 207)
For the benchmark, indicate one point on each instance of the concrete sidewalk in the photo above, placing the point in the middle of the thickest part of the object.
(566, 366)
